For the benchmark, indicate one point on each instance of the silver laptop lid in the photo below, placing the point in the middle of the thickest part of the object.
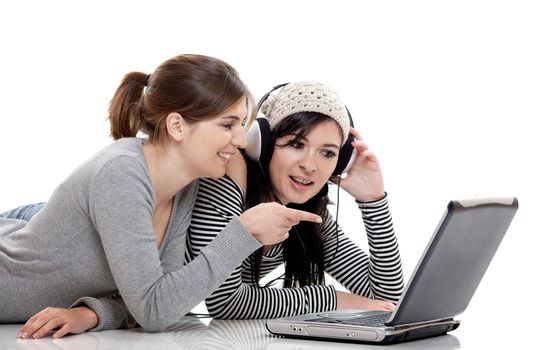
(455, 260)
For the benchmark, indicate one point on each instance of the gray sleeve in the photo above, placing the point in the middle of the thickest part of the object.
(111, 311)
(121, 207)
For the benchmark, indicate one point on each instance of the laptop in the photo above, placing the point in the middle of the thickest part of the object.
(440, 287)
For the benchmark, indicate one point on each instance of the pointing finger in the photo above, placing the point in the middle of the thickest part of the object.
(300, 215)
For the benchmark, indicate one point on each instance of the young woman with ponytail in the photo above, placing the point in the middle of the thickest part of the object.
(119, 222)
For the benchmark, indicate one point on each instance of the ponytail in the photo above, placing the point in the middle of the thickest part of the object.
(125, 108)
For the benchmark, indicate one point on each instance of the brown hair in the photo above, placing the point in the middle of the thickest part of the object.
(195, 86)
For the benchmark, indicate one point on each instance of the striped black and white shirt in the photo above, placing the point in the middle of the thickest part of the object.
(377, 275)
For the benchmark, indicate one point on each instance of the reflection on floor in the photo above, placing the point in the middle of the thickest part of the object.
(193, 333)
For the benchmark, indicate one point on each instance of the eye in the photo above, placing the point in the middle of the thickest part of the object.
(329, 154)
(228, 126)
(296, 144)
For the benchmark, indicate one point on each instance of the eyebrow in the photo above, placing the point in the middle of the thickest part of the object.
(235, 117)
(333, 145)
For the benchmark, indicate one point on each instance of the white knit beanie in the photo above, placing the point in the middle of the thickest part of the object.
(306, 97)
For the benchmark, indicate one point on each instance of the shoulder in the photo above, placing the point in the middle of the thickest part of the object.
(121, 163)
(123, 152)
(120, 166)
(126, 153)
(329, 226)
(223, 190)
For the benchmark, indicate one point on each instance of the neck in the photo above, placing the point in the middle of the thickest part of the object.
(167, 172)
(275, 196)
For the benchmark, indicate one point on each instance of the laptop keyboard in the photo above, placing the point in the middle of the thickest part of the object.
(373, 319)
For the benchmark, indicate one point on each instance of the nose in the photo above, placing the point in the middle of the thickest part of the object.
(308, 163)
(239, 140)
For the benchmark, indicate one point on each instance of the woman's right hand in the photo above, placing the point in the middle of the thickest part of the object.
(354, 301)
(269, 223)
(60, 320)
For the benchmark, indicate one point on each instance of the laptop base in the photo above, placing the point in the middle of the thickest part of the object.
(389, 335)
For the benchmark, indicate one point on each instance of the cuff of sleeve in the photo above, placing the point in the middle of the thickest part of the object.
(332, 296)
(234, 244)
(109, 313)
(373, 204)
(319, 298)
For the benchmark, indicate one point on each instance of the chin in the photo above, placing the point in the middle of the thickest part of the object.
(300, 199)
(217, 174)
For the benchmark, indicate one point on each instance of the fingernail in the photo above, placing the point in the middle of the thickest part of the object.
(319, 220)
(18, 334)
(24, 335)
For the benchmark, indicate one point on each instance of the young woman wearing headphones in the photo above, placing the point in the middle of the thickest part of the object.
(303, 141)
(119, 222)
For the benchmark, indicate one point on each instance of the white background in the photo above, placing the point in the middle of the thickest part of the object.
(448, 94)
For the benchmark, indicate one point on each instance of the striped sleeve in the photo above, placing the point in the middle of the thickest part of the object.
(247, 301)
(378, 275)
(217, 202)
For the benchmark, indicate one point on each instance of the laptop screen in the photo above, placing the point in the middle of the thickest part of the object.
(455, 260)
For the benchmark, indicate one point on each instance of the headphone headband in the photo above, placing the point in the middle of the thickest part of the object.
(259, 146)
(265, 97)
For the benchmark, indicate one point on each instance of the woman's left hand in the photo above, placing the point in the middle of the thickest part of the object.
(64, 321)
(364, 181)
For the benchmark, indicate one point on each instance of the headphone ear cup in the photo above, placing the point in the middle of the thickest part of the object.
(346, 157)
(258, 140)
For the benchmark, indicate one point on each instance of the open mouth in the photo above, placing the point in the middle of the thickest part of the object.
(224, 156)
(301, 183)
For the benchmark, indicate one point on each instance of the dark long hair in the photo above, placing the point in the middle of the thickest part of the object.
(303, 250)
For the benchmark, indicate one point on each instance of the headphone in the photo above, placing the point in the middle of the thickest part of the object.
(259, 147)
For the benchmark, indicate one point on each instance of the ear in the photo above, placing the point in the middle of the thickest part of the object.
(175, 126)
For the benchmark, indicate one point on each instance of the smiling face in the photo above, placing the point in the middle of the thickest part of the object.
(210, 143)
(300, 167)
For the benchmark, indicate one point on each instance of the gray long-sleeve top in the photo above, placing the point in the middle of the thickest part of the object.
(95, 236)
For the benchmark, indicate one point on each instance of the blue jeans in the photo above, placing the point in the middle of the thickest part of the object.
(25, 212)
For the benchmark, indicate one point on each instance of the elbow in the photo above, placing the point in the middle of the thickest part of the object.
(155, 319)
(153, 326)
(156, 323)
(218, 313)
(214, 314)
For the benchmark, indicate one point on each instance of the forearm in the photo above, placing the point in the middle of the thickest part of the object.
(237, 300)
(212, 267)
(385, 268)
(375, 275)
(111, 311)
